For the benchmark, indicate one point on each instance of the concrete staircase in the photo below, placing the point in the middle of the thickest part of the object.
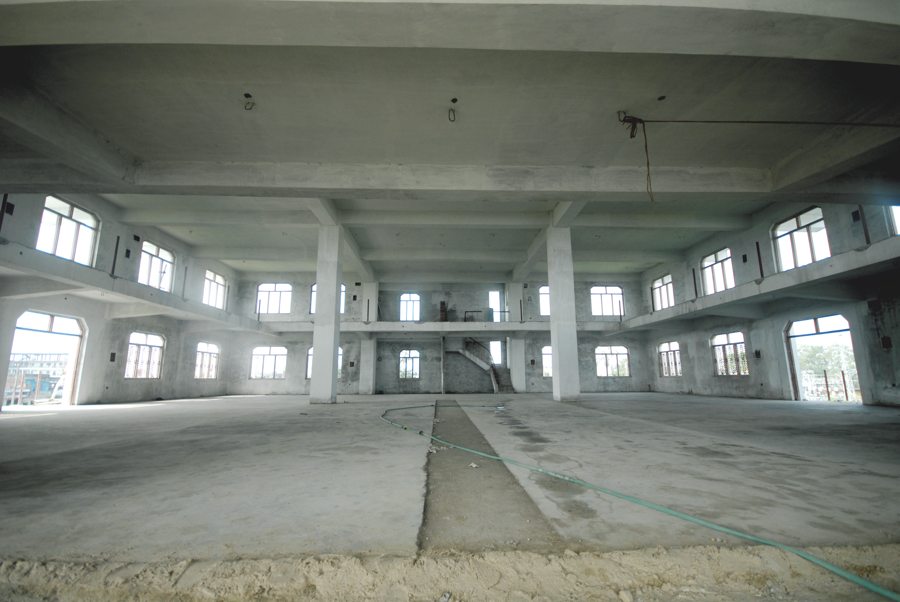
(504, 380)
(480, 355)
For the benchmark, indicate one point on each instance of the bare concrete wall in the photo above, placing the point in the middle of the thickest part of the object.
(461, 375)
(640, 375)
(95, 344)
(119, 389)
(876, 344)
(459, 298)
(238, 357)
(300, 298)
(387, 368)
(876, 328)
(535, 382)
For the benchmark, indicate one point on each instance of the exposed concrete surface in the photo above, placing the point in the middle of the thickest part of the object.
(236, 498)
(799, 473)
(238, 477)
(476, 505)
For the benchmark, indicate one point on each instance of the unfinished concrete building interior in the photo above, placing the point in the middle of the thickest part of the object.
(455, 300)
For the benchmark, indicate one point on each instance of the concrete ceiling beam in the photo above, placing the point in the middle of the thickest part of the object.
(328, 215)
(362, 267)
(679, 221)
(869, 188)
(370, 180)
(445, 219)
(566, 213)
(742, 312)
(33, 121)
(325, 212)
(434, 277)
(119, 311)
(537, 251)
(832, 291)
(195, 217)
(839, 150)
(31, 287)
(420, 255)
(305, 252)
(445, 183)
(723, 27)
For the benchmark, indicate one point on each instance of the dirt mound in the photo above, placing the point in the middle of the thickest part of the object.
(704, 573)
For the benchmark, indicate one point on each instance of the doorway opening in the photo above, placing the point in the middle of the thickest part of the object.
(43, 364)
(822, 361)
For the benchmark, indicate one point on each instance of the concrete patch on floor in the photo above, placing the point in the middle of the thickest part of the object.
(474, 504)
(698, 574)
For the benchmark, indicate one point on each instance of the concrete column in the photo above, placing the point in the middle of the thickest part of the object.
(515, 360)
(369, 312)
(368, 355)
(327, 327)
(7, 333)
(515, 297)
(563, 330)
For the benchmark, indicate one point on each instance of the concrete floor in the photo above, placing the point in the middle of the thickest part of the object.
(236, 477)
(271, 476)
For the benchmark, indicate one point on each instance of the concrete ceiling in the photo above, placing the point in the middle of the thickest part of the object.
(377, 106)
(143, 103)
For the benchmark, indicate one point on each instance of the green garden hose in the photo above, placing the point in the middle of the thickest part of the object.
(840, 572)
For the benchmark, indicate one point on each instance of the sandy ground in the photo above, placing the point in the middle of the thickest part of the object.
(704, 574)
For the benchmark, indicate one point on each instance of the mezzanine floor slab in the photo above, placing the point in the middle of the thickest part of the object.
(263, 477)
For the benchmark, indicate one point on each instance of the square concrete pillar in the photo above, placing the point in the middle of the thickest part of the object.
(327, 326)
(7, 334)
(515, 360)
(514, 300)
(369, 312)
(563, 328)
(368, 355)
